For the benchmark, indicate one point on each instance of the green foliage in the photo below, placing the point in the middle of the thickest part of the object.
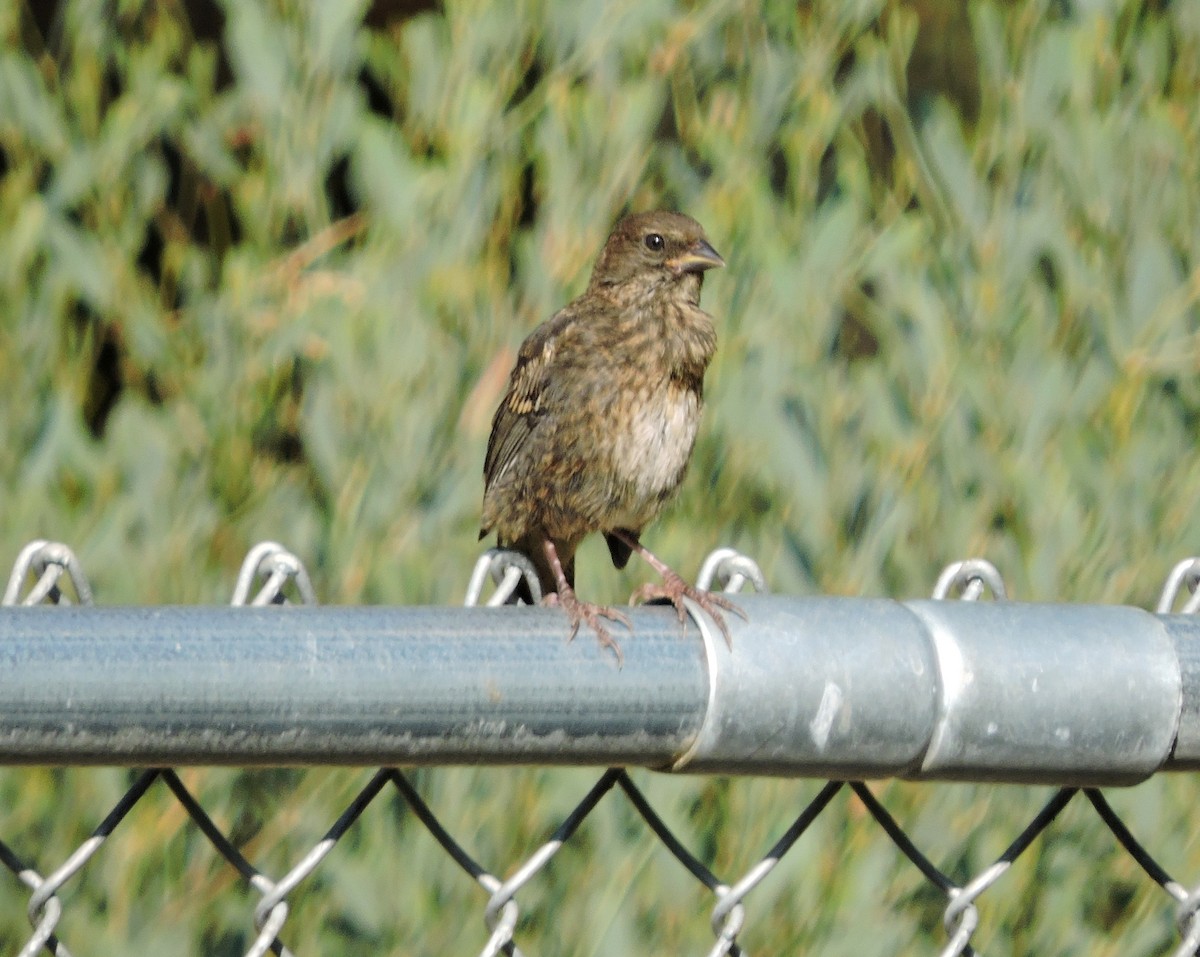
(263, 279)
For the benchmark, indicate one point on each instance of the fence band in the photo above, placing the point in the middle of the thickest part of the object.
(822, 687)
(1064, 694)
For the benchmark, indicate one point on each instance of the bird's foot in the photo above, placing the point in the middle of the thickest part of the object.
(675, 590)
(579, 612)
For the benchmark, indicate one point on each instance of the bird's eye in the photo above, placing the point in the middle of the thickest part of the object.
(654, 242)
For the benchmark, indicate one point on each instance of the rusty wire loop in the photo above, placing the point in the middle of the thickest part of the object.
(281, 572)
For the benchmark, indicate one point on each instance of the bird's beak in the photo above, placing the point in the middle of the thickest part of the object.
(697, 258)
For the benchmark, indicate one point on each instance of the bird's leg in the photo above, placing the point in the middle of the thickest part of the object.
(581, 611)
(675, 589)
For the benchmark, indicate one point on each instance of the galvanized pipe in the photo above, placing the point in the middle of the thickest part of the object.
(821, 687)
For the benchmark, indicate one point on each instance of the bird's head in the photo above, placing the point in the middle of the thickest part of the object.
(654, 251)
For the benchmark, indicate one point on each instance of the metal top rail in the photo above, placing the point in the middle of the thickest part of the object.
(822, 687)
(825, 687)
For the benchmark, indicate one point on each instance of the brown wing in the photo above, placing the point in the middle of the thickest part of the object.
(521, 406)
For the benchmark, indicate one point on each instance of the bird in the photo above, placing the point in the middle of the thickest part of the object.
(596, 428)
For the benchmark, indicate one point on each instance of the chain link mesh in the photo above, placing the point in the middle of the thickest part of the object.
(47, 566)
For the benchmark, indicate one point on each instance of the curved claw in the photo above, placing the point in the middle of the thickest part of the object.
(651, 592)
(579, 612)
(675, 589)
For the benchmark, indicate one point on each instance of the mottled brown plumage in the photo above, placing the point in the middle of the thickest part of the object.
(597, 426)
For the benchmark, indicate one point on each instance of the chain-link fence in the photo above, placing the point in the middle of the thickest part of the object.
(1126, 746)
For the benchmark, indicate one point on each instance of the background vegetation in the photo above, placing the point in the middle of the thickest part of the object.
(263, 266)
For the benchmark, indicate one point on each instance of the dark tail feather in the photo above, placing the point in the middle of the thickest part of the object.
(619, 551)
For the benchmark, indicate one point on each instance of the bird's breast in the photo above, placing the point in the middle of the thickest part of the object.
(652, 446)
